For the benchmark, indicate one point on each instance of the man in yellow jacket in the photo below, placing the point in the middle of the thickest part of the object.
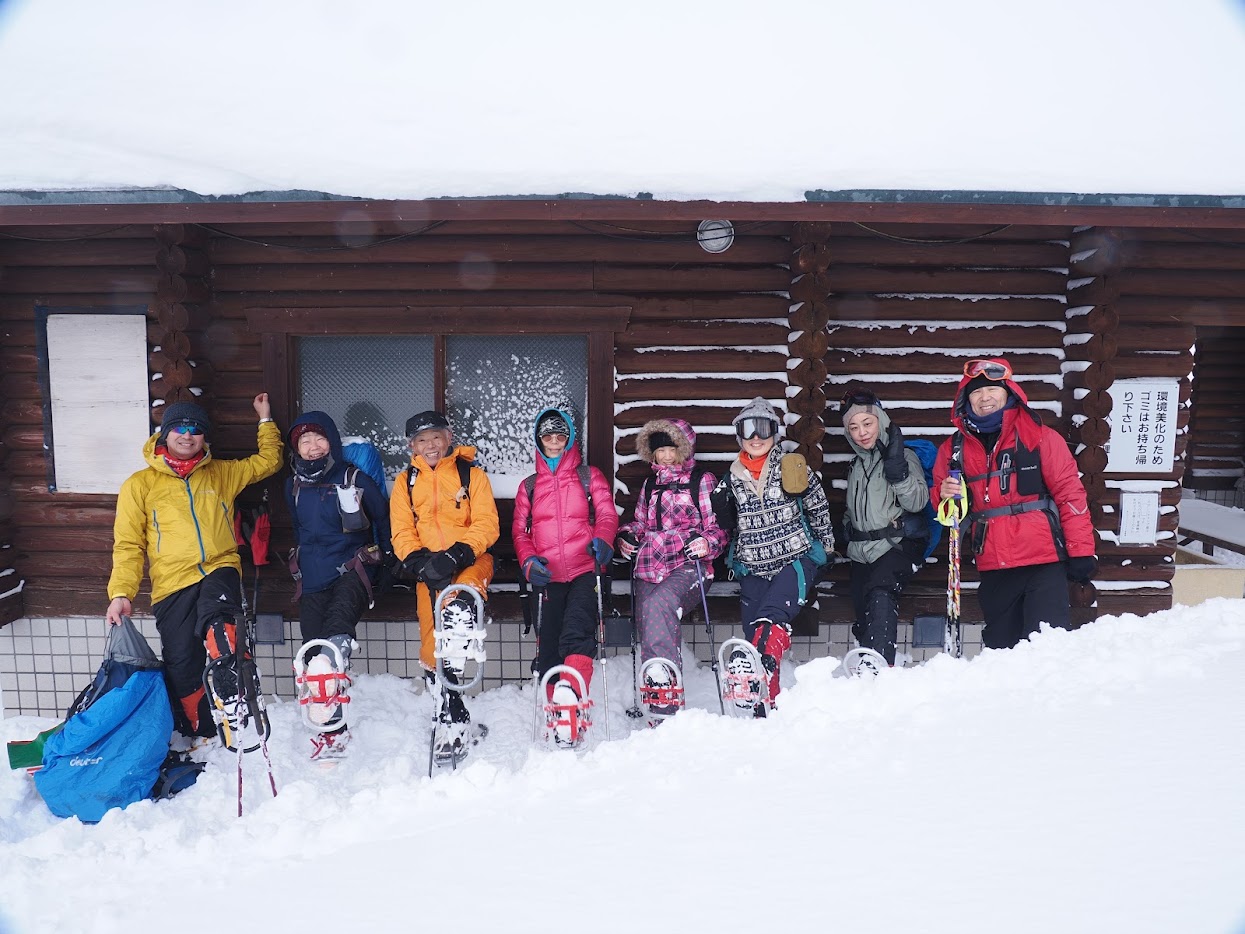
(442, 527)
(178, 514)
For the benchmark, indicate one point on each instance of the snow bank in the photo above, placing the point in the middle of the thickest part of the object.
(1086, 781)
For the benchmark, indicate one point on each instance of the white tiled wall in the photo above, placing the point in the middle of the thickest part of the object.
(45, 663)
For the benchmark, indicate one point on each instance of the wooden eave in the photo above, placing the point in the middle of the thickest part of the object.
(620, 209)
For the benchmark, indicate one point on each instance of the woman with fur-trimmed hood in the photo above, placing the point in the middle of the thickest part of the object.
(673, 531)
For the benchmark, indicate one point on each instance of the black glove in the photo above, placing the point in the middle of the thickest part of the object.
(413, 565)
(463, 554)
(691, 541)
(724, 508)
(1082, 570)
(895, 463)
(389, 565)
(630, 539)
(439, 570)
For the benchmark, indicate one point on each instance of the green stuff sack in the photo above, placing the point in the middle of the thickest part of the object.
(28, 753)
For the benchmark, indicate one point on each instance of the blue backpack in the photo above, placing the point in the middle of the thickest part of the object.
(109, 751)
(365, 456)
(927, 453)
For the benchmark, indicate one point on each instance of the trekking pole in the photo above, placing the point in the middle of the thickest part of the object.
(605, 681)
(634, 711)
(540, 609)
(704, 602)
(950, 512)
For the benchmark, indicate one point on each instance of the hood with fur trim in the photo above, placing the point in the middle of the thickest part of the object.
(683, 435)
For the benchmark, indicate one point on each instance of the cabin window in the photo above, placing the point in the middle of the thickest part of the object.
(96, 412)
(490, 386)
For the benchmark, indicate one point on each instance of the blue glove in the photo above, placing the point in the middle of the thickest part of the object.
(601, 552)
(536, 570)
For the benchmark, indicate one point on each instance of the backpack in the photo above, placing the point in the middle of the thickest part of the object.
(115, 738)
(365, 456)
(648, 487)
(585, 480)
(927, 453)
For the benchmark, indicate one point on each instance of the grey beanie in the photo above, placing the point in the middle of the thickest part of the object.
(858, 409)
(758, 408)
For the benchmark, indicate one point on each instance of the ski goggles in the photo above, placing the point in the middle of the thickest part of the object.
(186, 428)
(858, 397)
(749, 428)
(990, 369)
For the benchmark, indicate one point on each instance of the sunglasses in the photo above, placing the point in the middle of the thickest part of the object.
(185, 429)
(859, 397)
(750, 428)
(990, 369)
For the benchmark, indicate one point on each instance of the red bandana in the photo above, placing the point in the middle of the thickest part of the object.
(754, 464)
(180, 467)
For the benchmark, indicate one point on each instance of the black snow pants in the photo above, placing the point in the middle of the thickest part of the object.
(875, 596)
(1016, 601)
(568, 622)
(182, 619)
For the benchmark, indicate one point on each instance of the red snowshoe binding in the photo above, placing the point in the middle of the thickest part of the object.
(323, 687)
(566, 710)
(745, 684)
(661, 689)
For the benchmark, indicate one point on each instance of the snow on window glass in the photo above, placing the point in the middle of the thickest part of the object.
(495, 386)
(370, 386)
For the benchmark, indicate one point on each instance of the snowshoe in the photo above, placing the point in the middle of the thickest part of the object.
(567, 711)
(327, 747)
(323, 684)
(459, 641)
(232, 682)
(662, 690)
(863, 663)
(745, 686)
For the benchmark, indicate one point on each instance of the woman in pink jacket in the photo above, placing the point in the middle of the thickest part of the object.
(559, 549)
(672, 533)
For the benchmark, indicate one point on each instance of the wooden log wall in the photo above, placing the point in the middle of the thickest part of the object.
(793, 313)
(1217, 426)
(904, 308)
(707, 332)
(59, 543)
(1128, 299)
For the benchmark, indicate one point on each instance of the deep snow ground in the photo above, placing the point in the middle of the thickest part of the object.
(1088, 781)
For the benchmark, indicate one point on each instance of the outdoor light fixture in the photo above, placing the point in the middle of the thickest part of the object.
(715, 236)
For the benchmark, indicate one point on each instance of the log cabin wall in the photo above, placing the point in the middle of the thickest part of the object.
(1217, 425)
(60, 542)
(1139, 293)
(902, 308)
(706, 332)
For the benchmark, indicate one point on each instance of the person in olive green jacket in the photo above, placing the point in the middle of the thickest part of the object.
(177, 513)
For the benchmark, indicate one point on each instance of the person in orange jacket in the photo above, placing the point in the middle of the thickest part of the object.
(443, 520)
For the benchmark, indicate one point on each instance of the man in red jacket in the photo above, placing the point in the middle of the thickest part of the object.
(1028, 526)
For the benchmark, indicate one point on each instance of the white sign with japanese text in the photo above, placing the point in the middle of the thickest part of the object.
(1143, 425)
(1139, 518)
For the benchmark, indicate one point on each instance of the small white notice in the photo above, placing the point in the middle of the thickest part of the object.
(1139, 518)
(1143, 425)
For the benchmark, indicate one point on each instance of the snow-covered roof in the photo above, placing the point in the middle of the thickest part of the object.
(735, 101)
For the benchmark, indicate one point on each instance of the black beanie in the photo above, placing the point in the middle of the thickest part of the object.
(659, 439)
(184, 413)
(978, 382)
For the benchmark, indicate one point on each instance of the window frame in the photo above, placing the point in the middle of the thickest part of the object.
(279, 328)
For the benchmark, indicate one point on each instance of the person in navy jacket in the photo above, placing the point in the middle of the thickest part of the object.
(340, 521)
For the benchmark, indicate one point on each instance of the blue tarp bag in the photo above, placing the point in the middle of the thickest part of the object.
(109, 752)
(927, 453)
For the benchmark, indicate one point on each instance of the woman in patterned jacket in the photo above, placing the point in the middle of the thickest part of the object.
(783, 536)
